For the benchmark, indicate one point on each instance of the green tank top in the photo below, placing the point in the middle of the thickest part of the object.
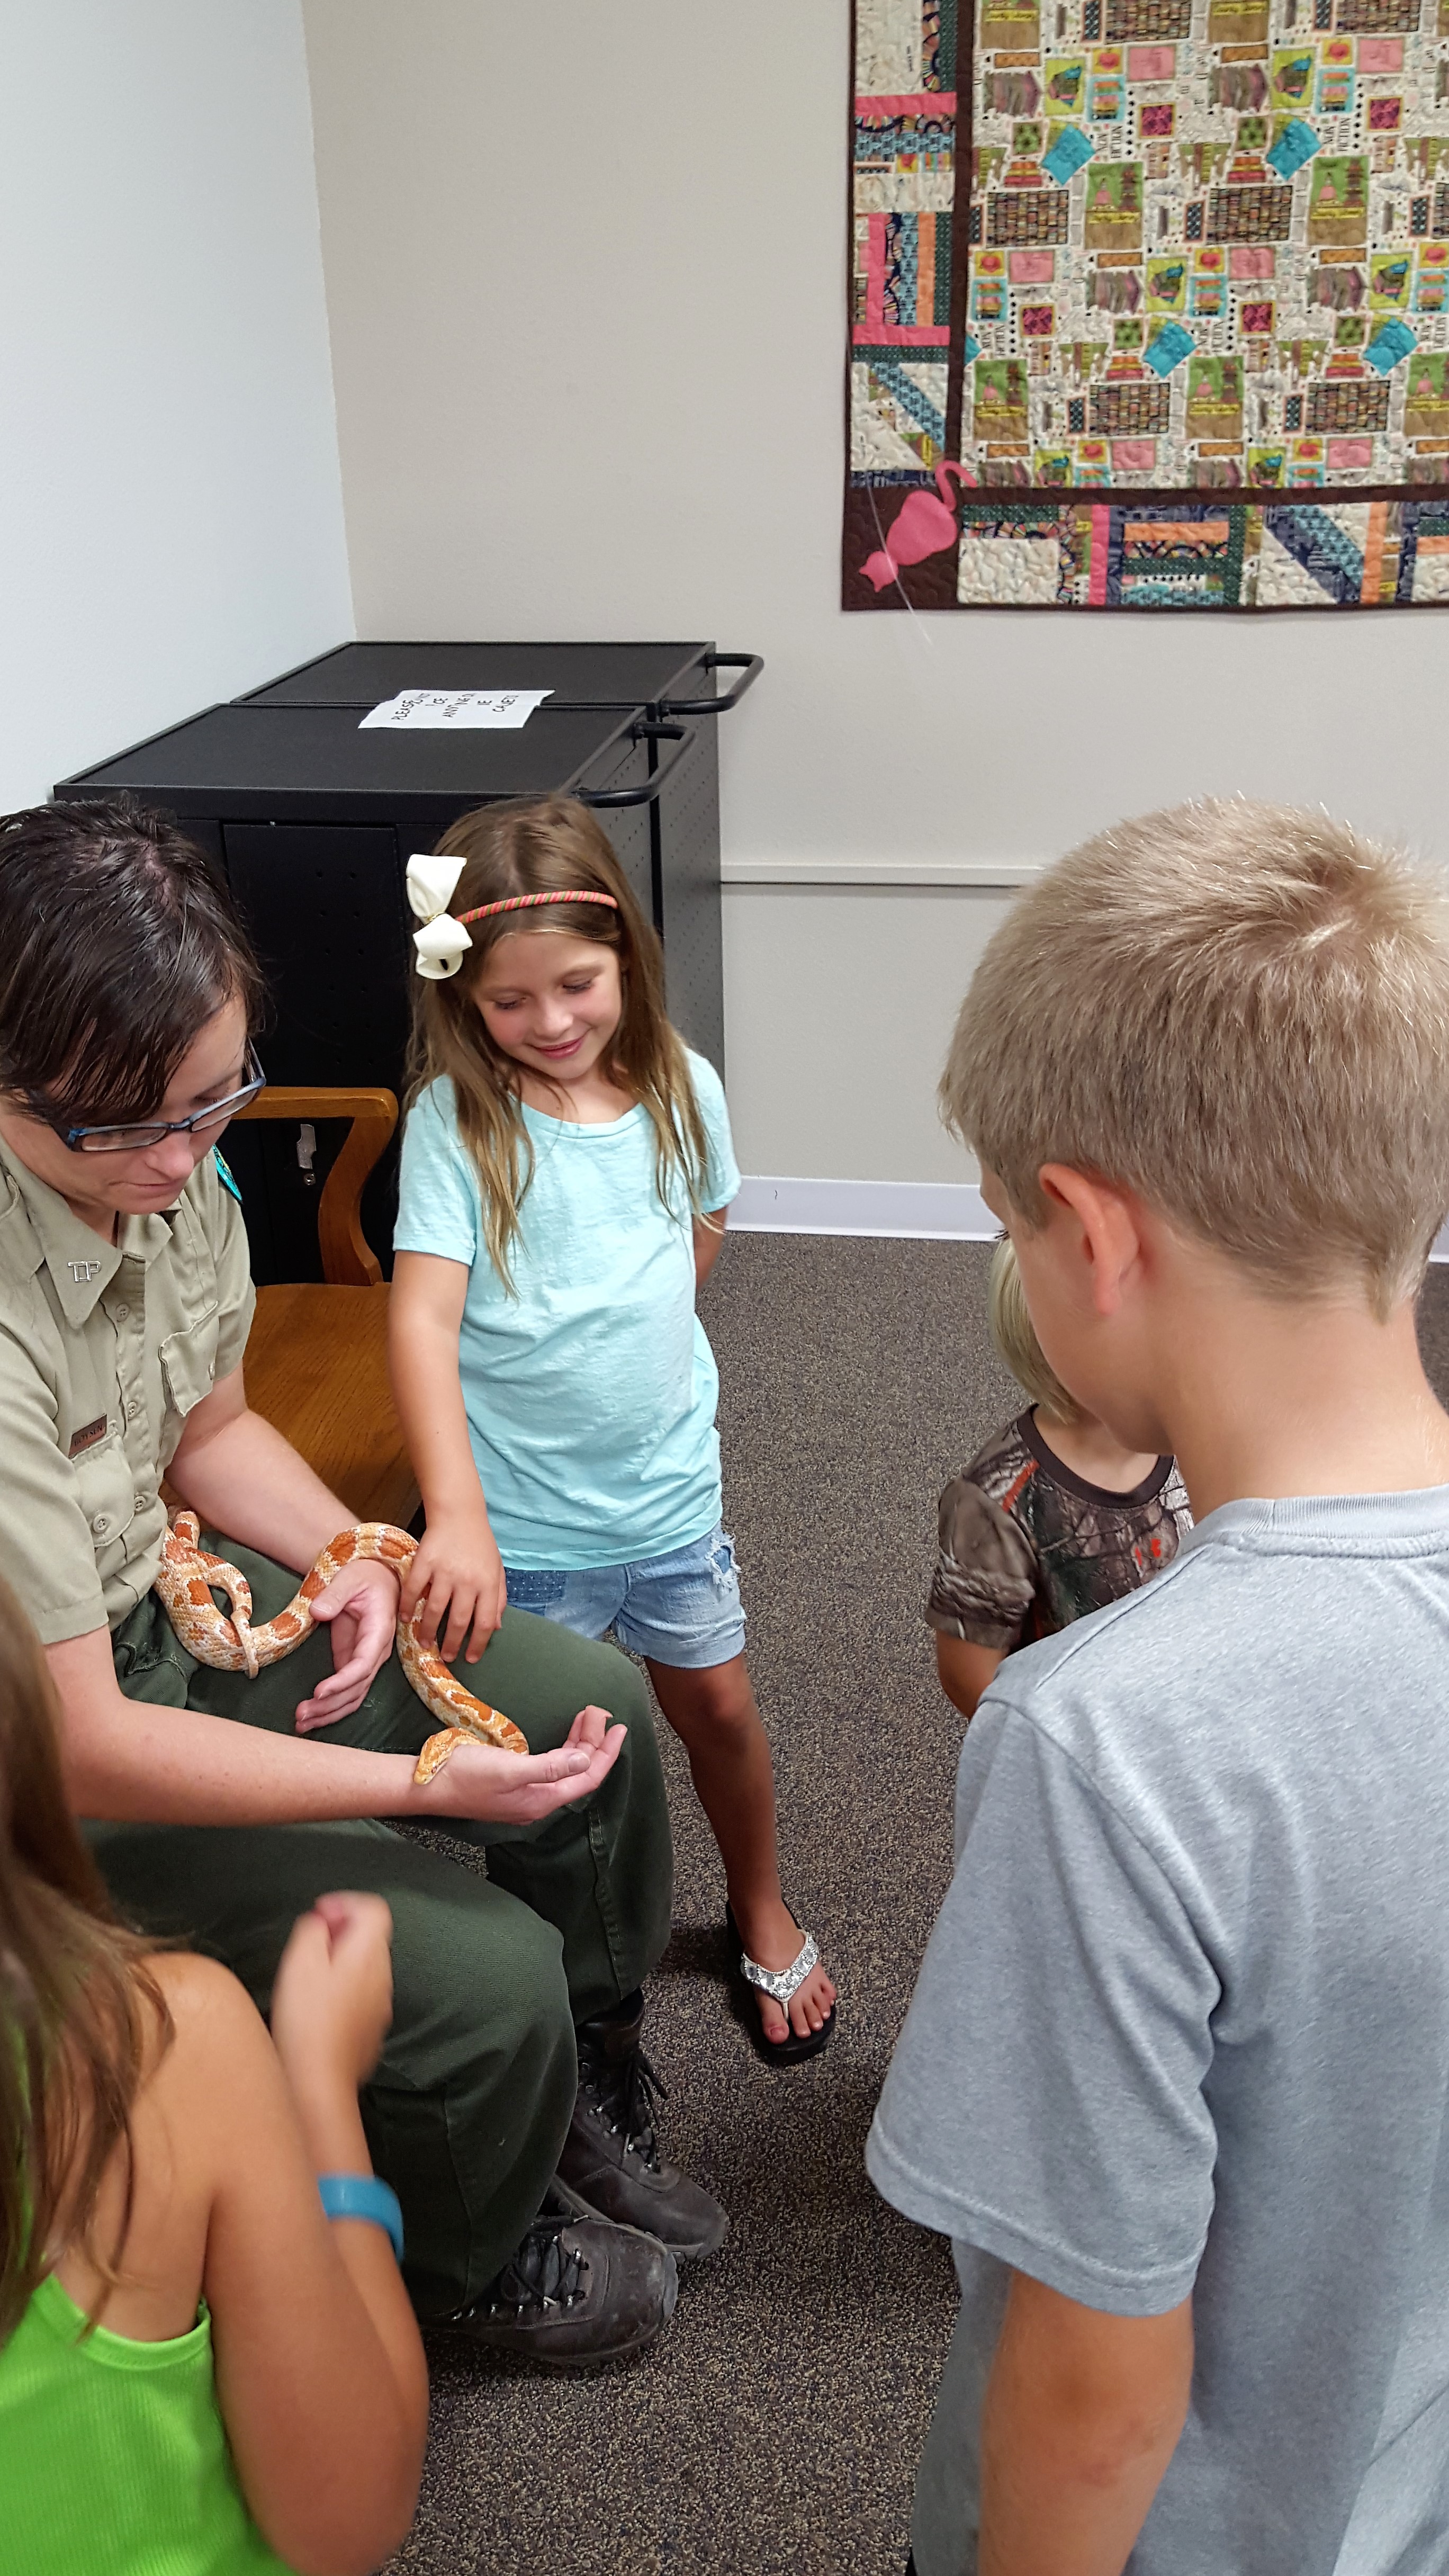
(113, 2455)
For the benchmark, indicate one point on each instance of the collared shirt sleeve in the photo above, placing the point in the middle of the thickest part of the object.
(1045, 2101)
(47, 1551)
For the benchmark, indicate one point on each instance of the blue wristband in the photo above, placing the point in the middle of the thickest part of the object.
(363, 2196)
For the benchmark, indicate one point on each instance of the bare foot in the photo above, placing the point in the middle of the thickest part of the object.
(773, 1939)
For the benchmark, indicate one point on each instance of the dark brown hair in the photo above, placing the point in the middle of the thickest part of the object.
(117, 944)
(80, 2013)
(549, 845)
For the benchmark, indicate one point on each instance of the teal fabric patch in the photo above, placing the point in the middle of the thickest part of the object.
(1296, 144)
(225, 1175)
(1171, 345)
(1390, 346)
(1071, 148)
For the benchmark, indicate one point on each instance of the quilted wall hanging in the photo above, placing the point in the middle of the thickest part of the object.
(1149, 304)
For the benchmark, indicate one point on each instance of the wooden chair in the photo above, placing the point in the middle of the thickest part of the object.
(316, 1362)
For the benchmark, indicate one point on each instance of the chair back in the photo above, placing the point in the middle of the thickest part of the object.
(348, 1260)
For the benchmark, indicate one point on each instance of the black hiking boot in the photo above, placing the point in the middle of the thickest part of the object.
(576, 2294)
(611, 2166)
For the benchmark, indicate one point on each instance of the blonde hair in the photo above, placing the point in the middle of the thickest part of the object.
(1241, 1012)
(1014, 1337)
(549, 845)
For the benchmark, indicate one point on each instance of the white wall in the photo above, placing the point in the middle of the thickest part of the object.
(170, 503)
(846, 1086)
(586, 270)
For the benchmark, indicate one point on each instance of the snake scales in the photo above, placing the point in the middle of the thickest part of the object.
(188, 1575)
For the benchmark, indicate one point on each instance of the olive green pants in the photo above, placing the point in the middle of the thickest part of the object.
(468, 2108)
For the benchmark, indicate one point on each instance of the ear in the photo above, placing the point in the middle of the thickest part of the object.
(1106, 1222)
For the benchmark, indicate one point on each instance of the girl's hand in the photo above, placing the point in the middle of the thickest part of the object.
(362, 1602)
(332, 2000)
(518, 1788)
(459, 1569)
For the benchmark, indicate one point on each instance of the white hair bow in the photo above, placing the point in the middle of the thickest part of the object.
(442, 943)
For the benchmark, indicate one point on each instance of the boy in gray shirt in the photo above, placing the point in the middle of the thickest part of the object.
(1175, 2075)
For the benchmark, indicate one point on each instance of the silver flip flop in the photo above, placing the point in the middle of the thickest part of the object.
(781, 1984)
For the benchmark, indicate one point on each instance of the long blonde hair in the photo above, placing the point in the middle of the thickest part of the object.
(549, 845)
(81, 2015)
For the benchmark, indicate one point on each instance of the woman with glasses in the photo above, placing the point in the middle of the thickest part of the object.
(128, 994)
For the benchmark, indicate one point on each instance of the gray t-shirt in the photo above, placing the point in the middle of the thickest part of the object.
(1183, 2027)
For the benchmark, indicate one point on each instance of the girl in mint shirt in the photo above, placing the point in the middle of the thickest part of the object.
(199, 2376)
(566, 1166)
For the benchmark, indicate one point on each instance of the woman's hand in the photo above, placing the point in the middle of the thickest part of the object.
(517, 1788)
(361, 1602)
(460, 1571)
(332, 2000)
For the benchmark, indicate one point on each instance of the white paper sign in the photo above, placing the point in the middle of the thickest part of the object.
(455, 710)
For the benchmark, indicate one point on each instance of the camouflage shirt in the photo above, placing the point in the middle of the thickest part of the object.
(1027, 1546)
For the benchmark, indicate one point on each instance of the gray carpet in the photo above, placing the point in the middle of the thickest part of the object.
(774, 2429)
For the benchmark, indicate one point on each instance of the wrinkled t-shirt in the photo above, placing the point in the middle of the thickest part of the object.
(591, 1392)
(1027, 1546)
(1183, 2028)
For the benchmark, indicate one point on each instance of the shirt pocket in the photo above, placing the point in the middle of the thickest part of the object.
(106, 1492)
(188, 1370)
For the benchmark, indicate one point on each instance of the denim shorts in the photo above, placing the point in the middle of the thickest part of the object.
(681, 1609)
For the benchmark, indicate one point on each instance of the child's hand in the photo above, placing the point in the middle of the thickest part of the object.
(332, 2000)
(460, 1570)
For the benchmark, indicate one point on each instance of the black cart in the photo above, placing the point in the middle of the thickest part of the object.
(313, 819)
(668, 684)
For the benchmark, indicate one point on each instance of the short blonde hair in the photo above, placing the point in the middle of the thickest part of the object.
(1241, 1012)
(1016, 1344)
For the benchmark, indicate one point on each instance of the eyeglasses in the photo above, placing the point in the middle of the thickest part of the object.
(133, 1140)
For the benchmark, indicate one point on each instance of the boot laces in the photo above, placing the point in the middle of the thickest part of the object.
(544, 2273)
(624, 2091)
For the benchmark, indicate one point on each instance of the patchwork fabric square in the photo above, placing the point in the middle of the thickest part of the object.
(1149, 304)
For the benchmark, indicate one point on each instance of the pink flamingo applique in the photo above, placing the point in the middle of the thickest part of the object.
(922, 526)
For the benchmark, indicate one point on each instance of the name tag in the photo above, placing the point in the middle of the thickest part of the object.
(87, 1436)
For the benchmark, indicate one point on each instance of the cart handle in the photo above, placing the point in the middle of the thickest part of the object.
(750, 665)
(645, 795)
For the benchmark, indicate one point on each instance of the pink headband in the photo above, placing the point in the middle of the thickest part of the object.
(525, 902)
(443, 942)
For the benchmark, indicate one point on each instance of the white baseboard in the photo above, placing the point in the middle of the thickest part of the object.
(930, 1211)
(935, 1211)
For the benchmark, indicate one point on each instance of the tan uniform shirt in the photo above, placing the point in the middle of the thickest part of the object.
(104, 1350)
